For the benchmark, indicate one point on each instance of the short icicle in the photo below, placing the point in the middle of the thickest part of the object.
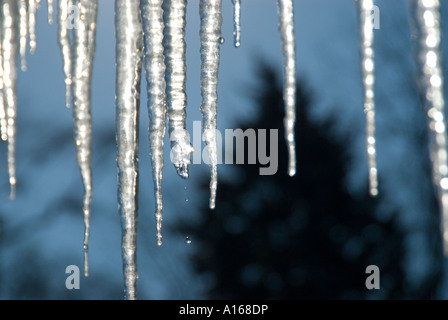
(65, 45)
(83, 51)
(154, 65)
(50, 10)
(10, 14)
(210, 12)
(287, 35)
(129, 52)
(368, 80)
(33, 6)
(237, 23)
(23, 30)
(176, 78)
(427, 20)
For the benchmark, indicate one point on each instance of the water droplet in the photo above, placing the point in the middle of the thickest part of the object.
(187, 240)
(221, 40)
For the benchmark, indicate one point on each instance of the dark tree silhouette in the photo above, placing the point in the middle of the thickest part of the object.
(306, 237)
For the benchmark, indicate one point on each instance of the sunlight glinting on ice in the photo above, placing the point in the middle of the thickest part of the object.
(129, 55)
(154, 66)
(368, 79)
(426, 15)
(286, 28)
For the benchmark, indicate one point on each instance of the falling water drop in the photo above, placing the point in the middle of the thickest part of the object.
(368, 74)
(185, 193)
(222, 40)
(187, 240)
(286, 28)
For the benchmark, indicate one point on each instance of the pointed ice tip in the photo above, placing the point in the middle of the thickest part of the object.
(292, 172)
(86, 260)
(182, 171)
(12, 191)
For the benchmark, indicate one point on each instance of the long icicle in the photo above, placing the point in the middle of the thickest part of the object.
(65, 45)
(3, 118)
(210, 12)
(368, 75)
(236, 23)
(176, 78)
(9, 54)
(286, 28)
(154, 65)
(129, 52)
(427, 22)
(84, 47)
(23, 30)
(33, 6)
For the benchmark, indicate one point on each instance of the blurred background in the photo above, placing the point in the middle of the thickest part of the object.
(270, 237)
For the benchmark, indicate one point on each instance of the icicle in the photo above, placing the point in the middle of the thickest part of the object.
(10, 52)
(154, 64)
(176, 69)
(237, 22)
(33, 6)
(129, 52)
(50, 9)
(84, 48)
(210, 33)
(23, 29)
(286, 28)
(427, 23)
(64, 42)
(3, 118)
(368, 74)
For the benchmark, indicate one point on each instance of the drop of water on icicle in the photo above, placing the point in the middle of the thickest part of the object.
(187, 240)
(222, 40)
(182, 171)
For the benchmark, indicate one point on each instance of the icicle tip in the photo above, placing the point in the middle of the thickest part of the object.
(159, 219)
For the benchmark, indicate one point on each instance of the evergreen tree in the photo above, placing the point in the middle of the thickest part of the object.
(305, 237)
